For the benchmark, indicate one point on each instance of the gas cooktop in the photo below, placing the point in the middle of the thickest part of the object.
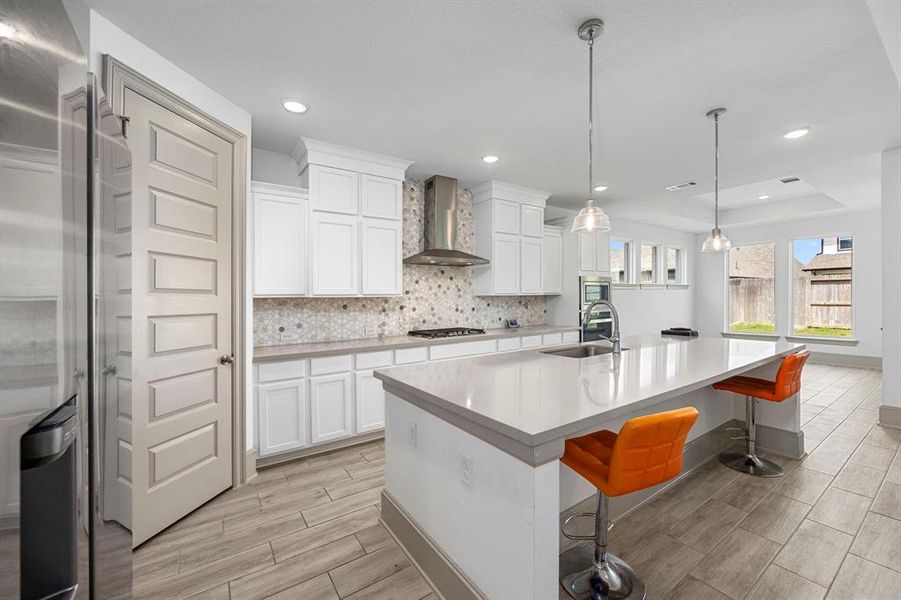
(445, 333)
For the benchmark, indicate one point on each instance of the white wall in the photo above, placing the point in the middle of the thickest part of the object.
(644, 311)
(710, 277)
(891, 252)
(274, 167)
(107, 38)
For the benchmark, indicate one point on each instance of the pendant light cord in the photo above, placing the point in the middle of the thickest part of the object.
(590, 113)
(716, 171)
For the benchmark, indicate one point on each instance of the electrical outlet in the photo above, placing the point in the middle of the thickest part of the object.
(466, 471)
(411, 432)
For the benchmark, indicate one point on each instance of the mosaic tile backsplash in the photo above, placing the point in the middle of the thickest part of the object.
(433, 297)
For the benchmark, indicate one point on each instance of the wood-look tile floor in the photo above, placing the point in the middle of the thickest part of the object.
(830, 528)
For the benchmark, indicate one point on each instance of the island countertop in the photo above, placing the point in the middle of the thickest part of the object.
(527, 403)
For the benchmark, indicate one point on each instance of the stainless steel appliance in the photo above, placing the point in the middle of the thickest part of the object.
(63, 534)
(445, 333)
(441, 243)
(600, 324)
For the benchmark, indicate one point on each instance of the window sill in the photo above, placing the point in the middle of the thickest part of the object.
(677, 286)
(653, 286)
(750, 336)
(821, 339)
(625, 286)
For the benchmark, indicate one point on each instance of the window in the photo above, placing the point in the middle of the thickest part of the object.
(621, 261)
(822, 273)
(675, 265)
(752, 298)
(649, 266)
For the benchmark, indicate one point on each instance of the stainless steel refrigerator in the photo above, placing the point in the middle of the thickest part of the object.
(65, 397)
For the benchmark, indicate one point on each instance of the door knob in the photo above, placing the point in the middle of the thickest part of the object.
(108, 370)
(226, 359)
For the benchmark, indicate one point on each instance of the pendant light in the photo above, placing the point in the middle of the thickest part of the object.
(716, 241)
(591, 218)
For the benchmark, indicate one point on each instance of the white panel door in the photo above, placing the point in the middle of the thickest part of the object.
(588, 252)
(331, 403)
(283, 416)
(381, 197)
(382, 257)
(336, 254)
(279, 245)
(553, 264)
(334, 190)
(531, 266)
(370, 399)
(505, 263)
(182, 314)
(532, 223)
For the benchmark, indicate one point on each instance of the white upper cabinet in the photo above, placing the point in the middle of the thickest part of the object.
(382, 260)
(509, 232)
(366, 189)
(553, 260)
(280, 229)
(594, 253)
(336, 254)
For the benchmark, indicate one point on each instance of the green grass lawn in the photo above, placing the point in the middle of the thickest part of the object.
(823, 331)
(752, 328)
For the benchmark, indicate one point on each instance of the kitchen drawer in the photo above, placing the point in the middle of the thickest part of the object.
(508, 344)
(570, 337)
(407, 356)
(531, 341)
(462, 349)
(373, 360)
(281, 370)
(552, 339)
(330, 364)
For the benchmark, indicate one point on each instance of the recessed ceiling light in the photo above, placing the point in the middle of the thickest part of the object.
(600, 188)
(764, 197)
(796, 133)
(490, 159)
(295, 106)
(7, 31)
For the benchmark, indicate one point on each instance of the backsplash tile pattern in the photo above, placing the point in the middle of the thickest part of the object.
(433, 297)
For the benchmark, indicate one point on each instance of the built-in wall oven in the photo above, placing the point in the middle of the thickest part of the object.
(600, 324)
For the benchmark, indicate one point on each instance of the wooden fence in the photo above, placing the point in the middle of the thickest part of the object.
(751, 300)
(822, 300)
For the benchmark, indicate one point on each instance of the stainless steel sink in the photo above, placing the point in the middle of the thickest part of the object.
(582, 351)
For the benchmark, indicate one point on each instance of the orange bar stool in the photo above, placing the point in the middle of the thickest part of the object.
(787, 384)
(645, 452)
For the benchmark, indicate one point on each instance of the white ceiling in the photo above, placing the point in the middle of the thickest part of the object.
(444, 83)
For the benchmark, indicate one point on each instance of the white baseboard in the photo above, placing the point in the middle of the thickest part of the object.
(250, 464)
(890, 416)
(846, 360)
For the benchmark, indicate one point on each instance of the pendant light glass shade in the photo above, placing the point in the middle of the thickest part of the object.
(591, 218)
(716, 242)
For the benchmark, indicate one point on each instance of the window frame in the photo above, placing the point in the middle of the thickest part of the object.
(838, 248)
(628, 262)
(790, 334)
(655, 276)
(681, 267)
(727, 307)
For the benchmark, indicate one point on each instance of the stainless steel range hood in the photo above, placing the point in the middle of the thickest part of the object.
(440, 217)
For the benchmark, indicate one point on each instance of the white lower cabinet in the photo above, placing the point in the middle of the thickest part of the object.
(283, 414)
(370, 401)
(331, 403)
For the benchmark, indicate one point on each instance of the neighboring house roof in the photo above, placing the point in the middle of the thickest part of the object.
(752, 262)
(823, 262)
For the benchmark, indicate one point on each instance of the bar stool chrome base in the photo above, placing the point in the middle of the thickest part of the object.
(617, 581)
(752, 465)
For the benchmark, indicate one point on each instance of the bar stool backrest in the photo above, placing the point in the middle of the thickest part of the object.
(788, 379)
(648, 450)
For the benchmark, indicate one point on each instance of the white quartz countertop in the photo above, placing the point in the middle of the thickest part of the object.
(536, 398)
(317, 349)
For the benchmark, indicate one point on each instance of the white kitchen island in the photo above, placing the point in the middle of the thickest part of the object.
(473, 484)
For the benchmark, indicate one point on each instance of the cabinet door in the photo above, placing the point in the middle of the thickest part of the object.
(382, 257)
(336, 251)
(331, 399)
(370, 399)
(603, 252)
(505, 264)
(553, 264)
(279, 246)
(531, 266)
(588, 252)
(334, 190)
(381, 197)
(506, 216)
(532, 221)
(283, 416)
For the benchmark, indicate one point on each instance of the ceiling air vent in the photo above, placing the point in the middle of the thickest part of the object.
(680, 186)
(788, 179)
